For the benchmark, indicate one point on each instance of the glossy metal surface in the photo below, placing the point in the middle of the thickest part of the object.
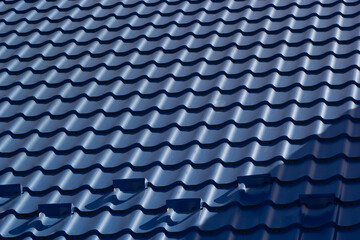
(229, 119)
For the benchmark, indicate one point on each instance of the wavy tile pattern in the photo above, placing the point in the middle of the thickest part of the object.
(186, 96)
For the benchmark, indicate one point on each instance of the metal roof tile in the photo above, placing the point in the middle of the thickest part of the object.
(245, 110)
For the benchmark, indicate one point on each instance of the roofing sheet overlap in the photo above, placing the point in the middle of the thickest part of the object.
(189, 95)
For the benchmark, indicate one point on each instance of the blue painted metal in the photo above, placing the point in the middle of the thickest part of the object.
(172, 101)
(184, 204)
(56, 209)
(257, 180)
(317, 200)
(129, 185)
(10, 190)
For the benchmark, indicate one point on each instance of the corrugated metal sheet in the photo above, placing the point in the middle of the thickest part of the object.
(228, 119)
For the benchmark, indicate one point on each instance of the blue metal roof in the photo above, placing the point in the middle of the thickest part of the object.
(210, 119)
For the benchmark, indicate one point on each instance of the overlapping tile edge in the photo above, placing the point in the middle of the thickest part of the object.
(234, 136)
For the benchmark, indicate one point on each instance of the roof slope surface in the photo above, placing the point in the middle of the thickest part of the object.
(229, 119)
